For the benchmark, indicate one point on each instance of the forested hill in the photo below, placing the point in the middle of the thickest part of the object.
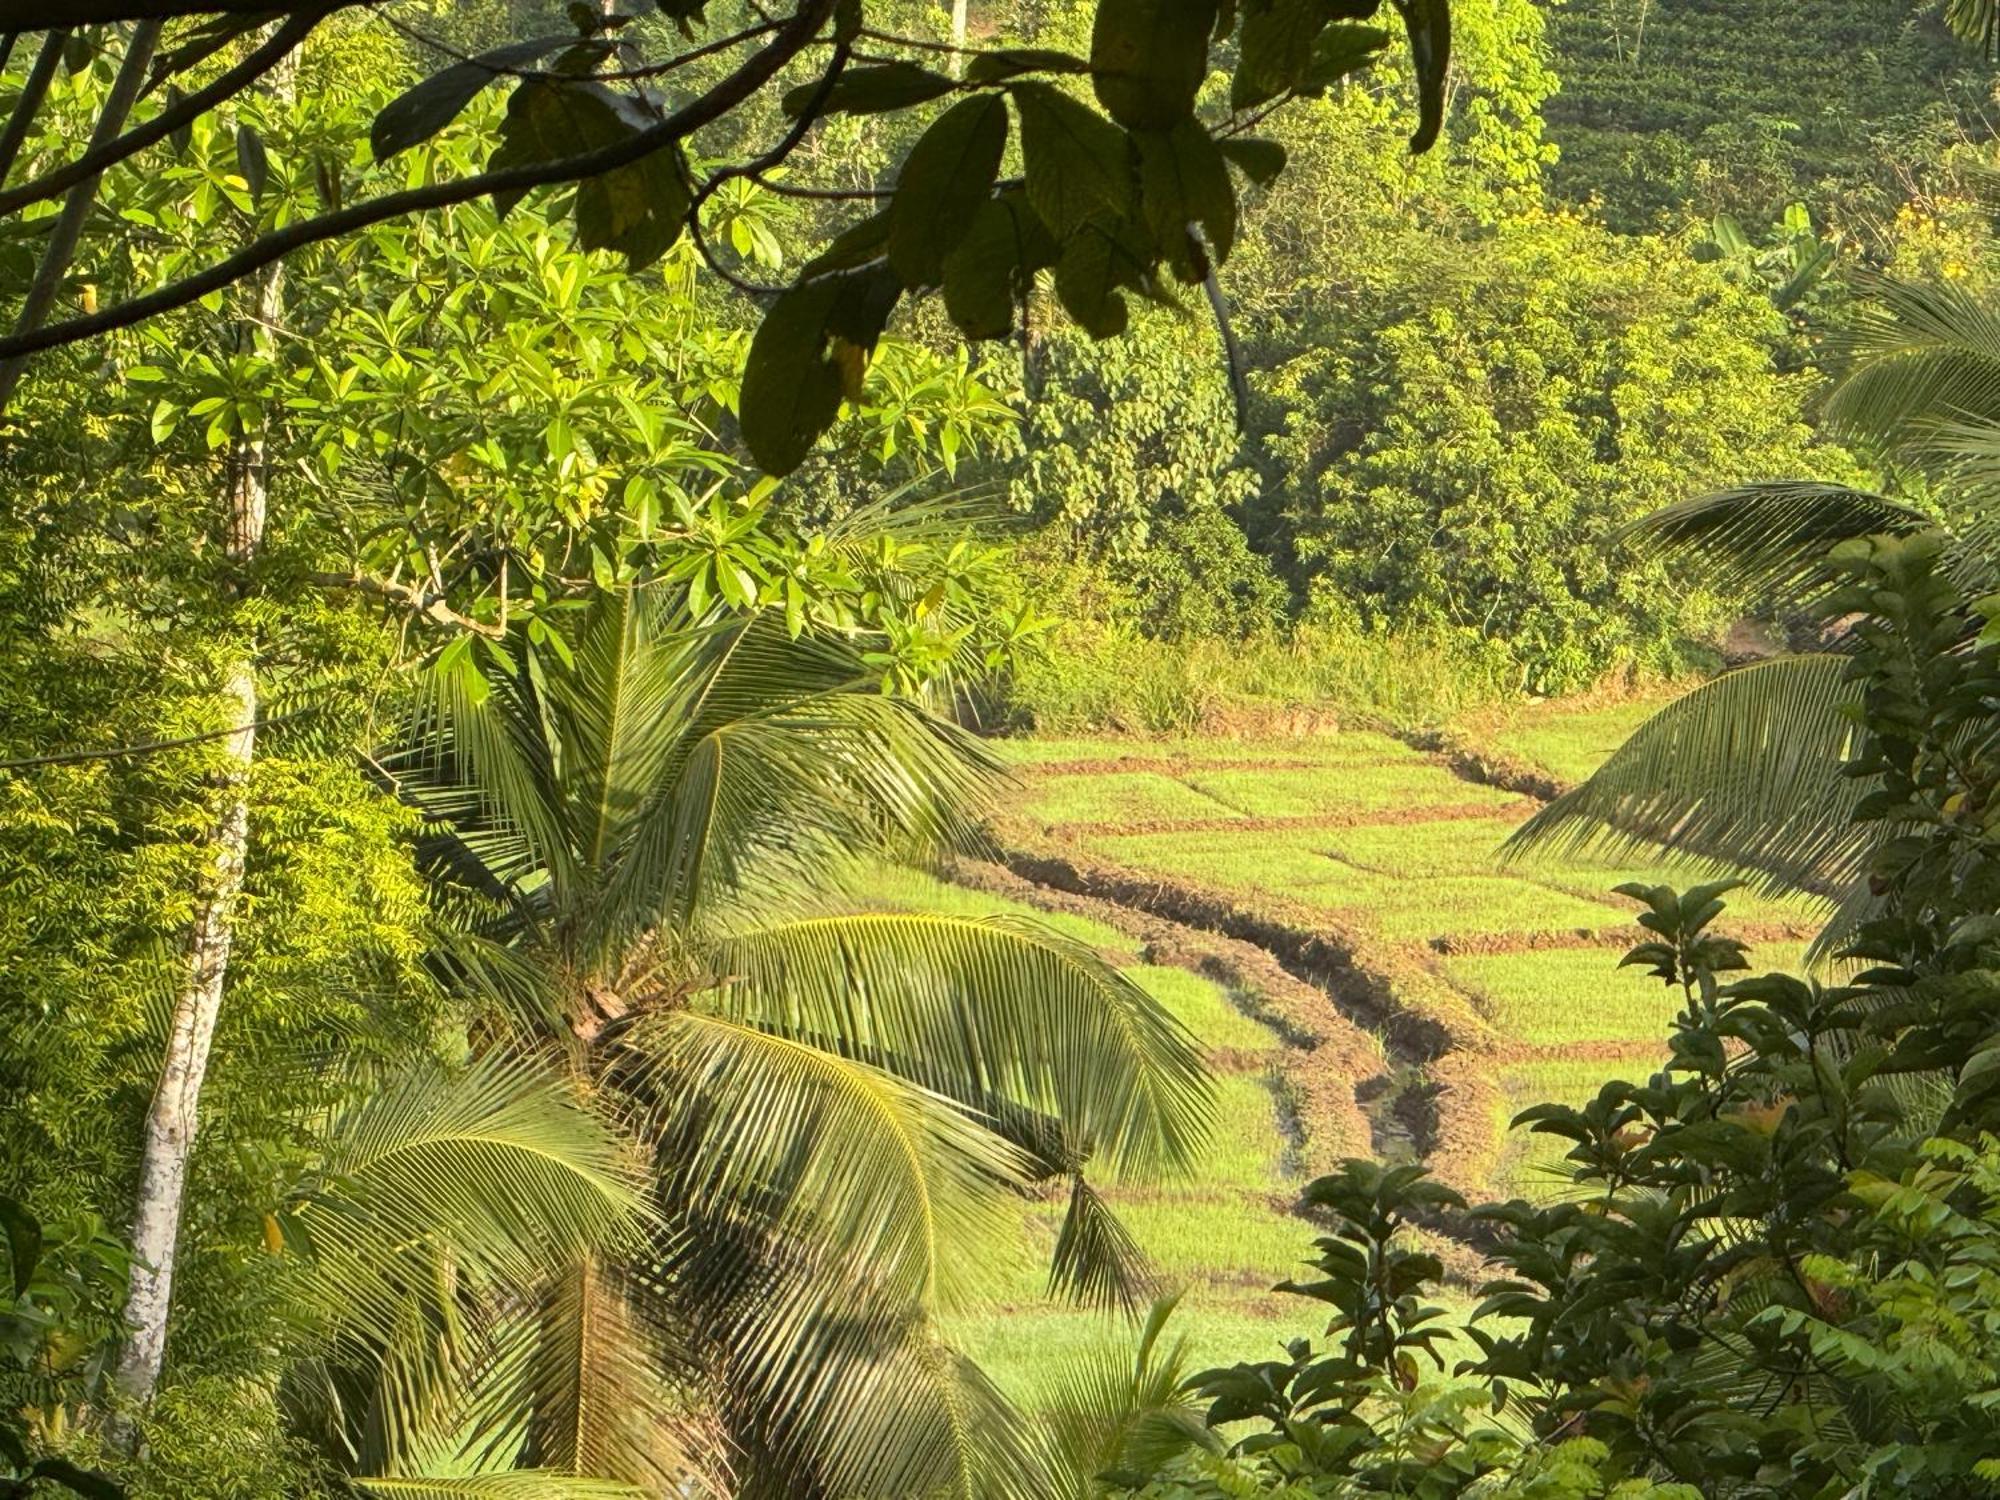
(1672, 107)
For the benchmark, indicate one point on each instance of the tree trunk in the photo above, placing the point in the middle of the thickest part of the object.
(172, 1121)
(958, 20)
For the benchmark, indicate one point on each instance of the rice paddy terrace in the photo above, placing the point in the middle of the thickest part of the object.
(1329, 915)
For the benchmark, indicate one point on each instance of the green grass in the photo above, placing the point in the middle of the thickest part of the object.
(1116, 797)
(1235, 863)
(1349, 747)
(1348, 789)
(1201, 1006)
(1569, 740)
(1565, 995)
(1462, 846)
(1468, 905)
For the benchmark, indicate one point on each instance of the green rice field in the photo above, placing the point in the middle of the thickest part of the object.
(1392, 858)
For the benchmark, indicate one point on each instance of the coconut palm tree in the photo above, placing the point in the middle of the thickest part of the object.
(1746, 771)
(648, 835)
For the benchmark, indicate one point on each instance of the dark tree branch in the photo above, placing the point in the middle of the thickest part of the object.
(792, 38)
(226, 85)
(33, 92)
(146, 747)
(61, 247)
(50, 15)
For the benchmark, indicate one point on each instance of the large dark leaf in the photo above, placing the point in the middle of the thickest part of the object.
(985, 275)
(24, 1242)
(421, 112)
(639, 209)
(1429, 25)
(1184, 181)
(872, 91)
(1148, 58)
(948, 175)
(1076, 160)
(809, 352)
(1276, 49)
(1098, 261)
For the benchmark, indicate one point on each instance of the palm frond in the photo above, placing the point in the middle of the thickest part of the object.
(1120, 1408)
(1096, 1260)
(905, 1417)
(1743, 772)
(601, 1399)
(498, 1165)
(1768, 539)
(1923, 353)
(517, 1484)
(764, 1134)
(983, 1006)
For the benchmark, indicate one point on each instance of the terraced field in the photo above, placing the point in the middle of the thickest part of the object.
(1330, 914)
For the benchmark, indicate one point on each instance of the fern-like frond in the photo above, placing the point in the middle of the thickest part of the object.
(1923, 353)
(1119, 1407)
(983, 1006)
(860, 1168)
(517, 1484)
(497, 1165)
(1743, 772)
(1096, 1260)
(1768, 539)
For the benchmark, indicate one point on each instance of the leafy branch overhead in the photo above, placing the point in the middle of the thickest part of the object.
(1123, 186)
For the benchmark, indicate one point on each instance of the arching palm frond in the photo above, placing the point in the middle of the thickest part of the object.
(852, 1165)
(599, 1373)
(1744, 772)
(785, 802)
(517, 1484)
(976, 1007)
(1923, 354)
(1096, 1261)
(1768, 539)
(497, 1164)
(1120, 1408)
(907, 1416)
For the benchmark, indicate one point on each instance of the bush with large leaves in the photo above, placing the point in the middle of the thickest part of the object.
(836, 1108)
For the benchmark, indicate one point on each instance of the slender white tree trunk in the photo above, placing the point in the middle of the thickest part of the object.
(172, 1121)
(958, 21)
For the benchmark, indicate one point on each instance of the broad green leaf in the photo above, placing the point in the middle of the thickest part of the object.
(251, 161)
(1076, 161)
(1183, 180)
(1148, 58)
(873, 90)
(24, 1242)
(1339, 51)
(1097, 261)
(809, 352)
(1012, 62)
(421, 112)
(1257, 159)
(985, 274)
(948, 174)
(1276, 49)
(639, 209)
(854, 246)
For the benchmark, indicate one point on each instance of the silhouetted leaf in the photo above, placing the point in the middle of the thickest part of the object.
(421, 112)
(809, 352)
(984, 275)
(1183, 180)
(948, 174)
(1148, 58)
(873, 90)
(1076, 160)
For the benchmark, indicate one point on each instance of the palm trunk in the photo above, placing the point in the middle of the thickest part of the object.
(173, 1119)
